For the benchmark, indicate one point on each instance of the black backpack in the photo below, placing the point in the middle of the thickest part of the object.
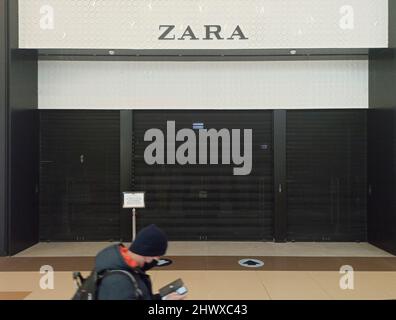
(87, 288)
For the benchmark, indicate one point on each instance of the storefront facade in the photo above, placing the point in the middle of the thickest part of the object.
(82, 85)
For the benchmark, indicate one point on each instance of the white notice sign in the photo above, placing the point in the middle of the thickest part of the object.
(133, 200)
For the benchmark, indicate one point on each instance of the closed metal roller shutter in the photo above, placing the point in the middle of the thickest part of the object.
(207, 202)
(326, 175)
(80, 175)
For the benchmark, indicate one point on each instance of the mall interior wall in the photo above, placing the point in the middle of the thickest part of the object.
(18, 137)
(3, 128)
(382, 143)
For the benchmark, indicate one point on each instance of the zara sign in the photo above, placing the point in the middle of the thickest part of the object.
(203, 24)
(209, 32)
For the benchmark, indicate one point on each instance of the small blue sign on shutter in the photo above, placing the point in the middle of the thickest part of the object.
(198, 125)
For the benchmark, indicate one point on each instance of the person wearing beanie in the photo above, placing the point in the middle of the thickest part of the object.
(149, 245)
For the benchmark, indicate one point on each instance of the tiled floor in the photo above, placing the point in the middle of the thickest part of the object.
(225, 285)
(306, 249)
(13, 295)
(211, 272)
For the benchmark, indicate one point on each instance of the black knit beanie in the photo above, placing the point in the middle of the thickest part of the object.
(151, 241)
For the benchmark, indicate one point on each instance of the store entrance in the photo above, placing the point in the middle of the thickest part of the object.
(79, 175)
(207, 201)
(322, 197)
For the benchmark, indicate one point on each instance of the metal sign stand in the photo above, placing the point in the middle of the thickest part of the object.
(133, 224)
(133, 200)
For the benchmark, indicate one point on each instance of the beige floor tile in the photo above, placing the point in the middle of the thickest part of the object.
(300, 249)
(228, 285)
(367, 285)
(266, 249)
(350, 249)
(64, 249)
(291, 286)
(64, 289)
(236, 285)
(214, 248)
(30, 281)
(236, 248)
(391, 285)
(187, 248)
(13, 295)
(19, 281)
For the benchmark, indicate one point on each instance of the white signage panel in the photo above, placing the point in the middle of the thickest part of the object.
(238, 85)
(202, 24)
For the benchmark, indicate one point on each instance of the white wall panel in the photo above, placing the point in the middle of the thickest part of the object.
(268, 24)
(203, 85)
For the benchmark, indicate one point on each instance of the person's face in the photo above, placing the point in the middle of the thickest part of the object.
(149, 263)
(149, 260)
(144, 262)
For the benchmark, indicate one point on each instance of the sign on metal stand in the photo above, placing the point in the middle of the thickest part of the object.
(133, 200)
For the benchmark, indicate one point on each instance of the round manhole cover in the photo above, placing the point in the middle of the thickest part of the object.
(251, 263)
(164, 262)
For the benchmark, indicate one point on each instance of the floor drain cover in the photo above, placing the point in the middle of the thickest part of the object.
(164, 262)
(251, 263)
